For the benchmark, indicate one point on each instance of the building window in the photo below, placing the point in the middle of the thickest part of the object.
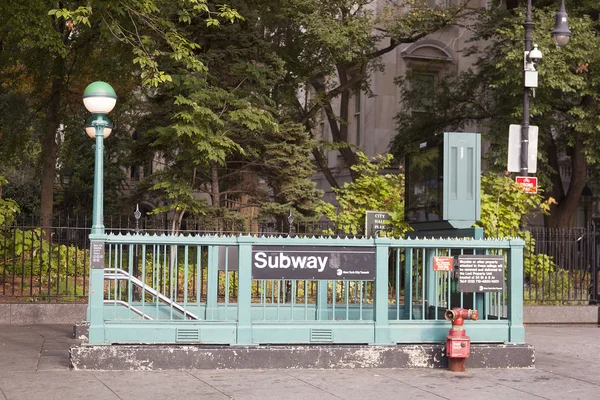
(356, 121)
(422, 85)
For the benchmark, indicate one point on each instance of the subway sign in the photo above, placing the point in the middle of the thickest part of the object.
(313, 262)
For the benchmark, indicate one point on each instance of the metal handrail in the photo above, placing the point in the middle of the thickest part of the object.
(132, 308)
(119, 274)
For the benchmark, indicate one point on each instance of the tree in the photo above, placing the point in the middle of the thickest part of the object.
(220, 133)
(370, 191)
(504, 206)
(565, 106)
(8, 207)
(49, 51)
(331, 48)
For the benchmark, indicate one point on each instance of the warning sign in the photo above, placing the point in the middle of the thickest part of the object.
(527, 183)
(443, 263)
(480, 273)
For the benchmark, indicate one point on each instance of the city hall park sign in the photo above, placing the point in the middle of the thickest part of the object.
(313, 262)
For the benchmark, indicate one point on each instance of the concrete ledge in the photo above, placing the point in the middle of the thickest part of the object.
(42, 313)
(561, 315)
(81, 330)
(165, 357)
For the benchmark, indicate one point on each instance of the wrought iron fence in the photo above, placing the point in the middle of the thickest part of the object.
(52, 264)
(561, 265)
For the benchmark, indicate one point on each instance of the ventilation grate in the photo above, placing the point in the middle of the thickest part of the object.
(188, 335)
(321, 335)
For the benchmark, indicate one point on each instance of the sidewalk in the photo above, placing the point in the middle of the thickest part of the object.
(34, 365)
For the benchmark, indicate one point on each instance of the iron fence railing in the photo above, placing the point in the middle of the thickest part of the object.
(52, 264)
(560, 266)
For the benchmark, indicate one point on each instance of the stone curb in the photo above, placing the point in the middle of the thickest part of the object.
(165, 357)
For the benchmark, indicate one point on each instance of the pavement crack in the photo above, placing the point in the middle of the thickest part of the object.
(39, 358)
(570, 377)
(514, 388)
(3, 395)
(413, 386)
(106, 386)
(313, 385)
(206, 383)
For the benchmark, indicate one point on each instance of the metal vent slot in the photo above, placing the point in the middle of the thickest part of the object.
(321, 335)
(188, 335)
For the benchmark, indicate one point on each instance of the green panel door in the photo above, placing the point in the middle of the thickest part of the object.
(462, 171)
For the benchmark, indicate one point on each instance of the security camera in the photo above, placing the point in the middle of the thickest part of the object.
(534, 55)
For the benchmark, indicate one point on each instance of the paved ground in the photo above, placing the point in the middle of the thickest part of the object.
(34, 365)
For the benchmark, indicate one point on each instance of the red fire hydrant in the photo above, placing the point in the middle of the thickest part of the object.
(458, 344)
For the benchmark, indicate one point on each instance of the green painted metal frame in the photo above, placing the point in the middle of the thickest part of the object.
(241, 320)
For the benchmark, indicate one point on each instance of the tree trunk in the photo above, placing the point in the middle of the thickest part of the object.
(339, 125)
(322, 163)
(215, 192)
(562, 214)
(50, 147)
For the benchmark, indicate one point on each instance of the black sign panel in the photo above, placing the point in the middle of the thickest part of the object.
(375, 222)
(313, 262)
(480, 273)
(97, 255)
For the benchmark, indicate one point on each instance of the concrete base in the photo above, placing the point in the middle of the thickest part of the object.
(41, 313)
(81, 331)
(174, 357)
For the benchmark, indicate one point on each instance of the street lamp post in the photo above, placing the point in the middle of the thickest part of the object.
(99, 98)
(561, 35)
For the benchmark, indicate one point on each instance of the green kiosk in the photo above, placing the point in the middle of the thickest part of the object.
(443, 186)
(443, 194)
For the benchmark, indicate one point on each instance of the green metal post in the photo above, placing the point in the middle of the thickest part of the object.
(382, 327)
(244, 317)
(480, 297)
(321, 306)
(516, 331)
(96, 299)
(212, 283)
(408, 280)
(430, 284)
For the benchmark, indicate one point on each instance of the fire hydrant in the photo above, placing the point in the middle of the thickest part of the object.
(458, 344)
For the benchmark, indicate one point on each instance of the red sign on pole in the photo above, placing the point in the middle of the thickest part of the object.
(443, 263)
(528, 183)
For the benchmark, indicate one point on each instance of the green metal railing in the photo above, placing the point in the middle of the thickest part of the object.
(190, 289)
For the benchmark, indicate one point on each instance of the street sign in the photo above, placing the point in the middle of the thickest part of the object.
(443, 263)
(514, 149)
(313, 262)
(480, 273)
(528, 183)
(97, 250)
(375, 222)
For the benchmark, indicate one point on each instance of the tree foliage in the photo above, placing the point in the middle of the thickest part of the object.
(220, 133)
(8, 207)
(371, 191)
(331, 48)
(565, 106)
(504, 209)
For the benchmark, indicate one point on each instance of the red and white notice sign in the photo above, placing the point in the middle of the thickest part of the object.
(528, 183)
(443, 263)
